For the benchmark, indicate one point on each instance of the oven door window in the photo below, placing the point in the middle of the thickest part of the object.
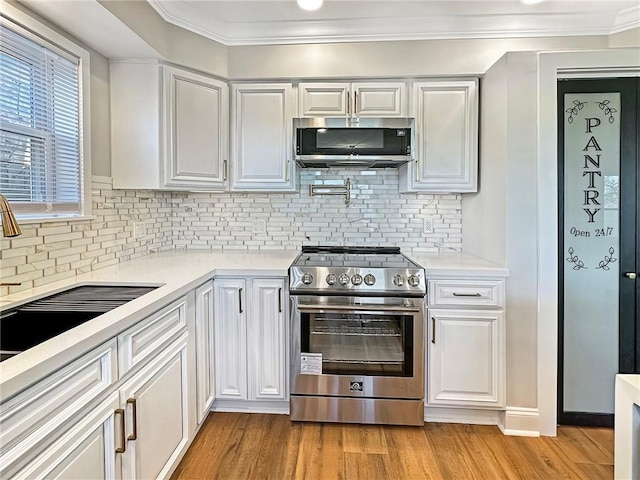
(360, 343)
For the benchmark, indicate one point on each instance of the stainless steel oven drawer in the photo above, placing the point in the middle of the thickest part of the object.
(357, 410)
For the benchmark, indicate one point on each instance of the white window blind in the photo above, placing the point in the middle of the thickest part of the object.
(40, 164)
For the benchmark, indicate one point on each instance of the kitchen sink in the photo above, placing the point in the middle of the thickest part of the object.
(34, 322)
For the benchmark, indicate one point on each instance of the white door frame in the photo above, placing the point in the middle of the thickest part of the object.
(600, 63)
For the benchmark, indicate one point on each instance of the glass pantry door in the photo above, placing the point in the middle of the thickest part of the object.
(598, 235)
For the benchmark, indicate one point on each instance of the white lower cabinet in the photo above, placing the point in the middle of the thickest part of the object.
(205, 386)
(156, 416)
(83, 452)
(122, 410)
(464, 357)
(466, 345)
(250, 338)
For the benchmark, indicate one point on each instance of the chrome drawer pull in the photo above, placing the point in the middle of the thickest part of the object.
(466, 294)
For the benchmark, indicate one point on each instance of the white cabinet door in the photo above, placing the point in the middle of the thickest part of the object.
(169, 128)
(156, 402)
(446, 143)
(230, 338)
(359, 99)
(261, 137)
(466, 357)
(267, 336)
(317, 99)
(196, 119)
(86, 451)
(204, 350)
(378, 99)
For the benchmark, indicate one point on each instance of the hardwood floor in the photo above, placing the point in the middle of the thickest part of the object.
(256, 446)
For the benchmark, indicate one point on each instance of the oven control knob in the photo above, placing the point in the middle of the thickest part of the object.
(331, 279)
(369, 279)
(398, 280)
(343, 279)
(356, 279)
(307, 278)
(414, 280)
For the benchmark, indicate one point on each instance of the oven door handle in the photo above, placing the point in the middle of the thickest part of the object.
(357, 308)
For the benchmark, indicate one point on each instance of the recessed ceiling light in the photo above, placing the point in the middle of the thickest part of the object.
(531, 2)
(310, 4)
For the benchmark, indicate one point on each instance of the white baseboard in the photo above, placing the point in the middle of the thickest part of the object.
(244, 406)
(473, 416)
(520, 421)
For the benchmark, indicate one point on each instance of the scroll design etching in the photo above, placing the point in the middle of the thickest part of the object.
(604, 106)
(604, 263)
(573, 111)
(577, 263)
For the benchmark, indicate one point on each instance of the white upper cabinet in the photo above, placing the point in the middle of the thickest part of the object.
(358, 99)
(446, 143)
(196, 130)
(169, 128)
(262, 137)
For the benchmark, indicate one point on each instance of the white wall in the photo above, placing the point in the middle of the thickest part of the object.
(400, 58)
(99, 86)
(174, 43)
(499, 222)
(628, 38)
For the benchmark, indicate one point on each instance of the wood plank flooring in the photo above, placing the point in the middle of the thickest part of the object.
(255, 446)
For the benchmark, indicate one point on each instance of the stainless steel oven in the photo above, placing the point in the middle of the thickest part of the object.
(357, 352)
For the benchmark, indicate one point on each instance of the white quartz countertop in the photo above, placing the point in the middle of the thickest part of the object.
(176, 273)
(456, 264)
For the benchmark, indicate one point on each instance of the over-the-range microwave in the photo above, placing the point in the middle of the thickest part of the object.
(353, 142)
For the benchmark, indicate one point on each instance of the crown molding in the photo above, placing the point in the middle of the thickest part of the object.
(627, 19)
(284, 33)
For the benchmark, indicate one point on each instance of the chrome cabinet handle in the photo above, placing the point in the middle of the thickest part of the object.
(348, 103)
(280, 300)
(240, 300)
(433, 330)
(287, 172)
(417, 170)
(224, 171)
(355, 103)
(134, 414)
(631, 275)
(123, 442)
(466, 294)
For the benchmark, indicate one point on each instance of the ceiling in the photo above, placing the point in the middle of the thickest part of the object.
(242, 22)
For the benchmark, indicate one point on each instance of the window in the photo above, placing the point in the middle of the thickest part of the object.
(41, 162)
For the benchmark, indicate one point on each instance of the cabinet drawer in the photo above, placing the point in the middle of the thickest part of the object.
(44, 410)
(458, 292)
(147, 338)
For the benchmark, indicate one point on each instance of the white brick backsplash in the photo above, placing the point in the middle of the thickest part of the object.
(377, 215)
(45, 253)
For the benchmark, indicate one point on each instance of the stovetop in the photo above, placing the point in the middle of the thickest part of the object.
(328, 270)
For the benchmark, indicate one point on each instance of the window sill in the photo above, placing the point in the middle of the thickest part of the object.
(75, 218)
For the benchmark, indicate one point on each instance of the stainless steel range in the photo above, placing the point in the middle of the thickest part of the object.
(357, 327)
